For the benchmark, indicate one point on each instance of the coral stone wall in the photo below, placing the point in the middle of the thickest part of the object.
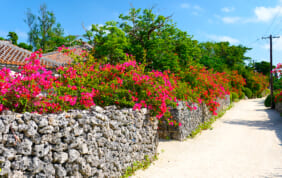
(95, 143)
(189, 119)
(278, 107)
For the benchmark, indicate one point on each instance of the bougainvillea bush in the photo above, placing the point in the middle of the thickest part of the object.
(87, 82)
(257, 82)
(125, 85)
(206, 86)
(29, 90)
(278, 82)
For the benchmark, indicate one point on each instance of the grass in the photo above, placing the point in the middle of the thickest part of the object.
(130, 170)
(208, 124)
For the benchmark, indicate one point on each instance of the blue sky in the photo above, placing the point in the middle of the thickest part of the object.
(237, 21)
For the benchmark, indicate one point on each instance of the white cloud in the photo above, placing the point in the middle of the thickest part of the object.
(185, 5)
(195, 9)
(223, 38)
(265, 14)
(231, 19)
(261, 14)
(227, 9)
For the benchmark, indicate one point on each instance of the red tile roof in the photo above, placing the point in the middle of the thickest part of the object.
(62, 58)
(14, 55)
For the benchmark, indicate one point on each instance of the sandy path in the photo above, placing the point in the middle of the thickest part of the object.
(245, 142)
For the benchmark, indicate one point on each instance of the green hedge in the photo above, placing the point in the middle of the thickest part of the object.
(248, 92)
(234, 96)
(267, 101)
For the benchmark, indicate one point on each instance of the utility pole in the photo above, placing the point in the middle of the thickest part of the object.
(271, 80)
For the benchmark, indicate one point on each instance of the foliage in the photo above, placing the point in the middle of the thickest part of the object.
(237, 82)
(12, 36)
(277, 79)
(248, 92)
(123, 84)
(152, 39)
(156, 42)
(22, 92)
(255, 81)
(25, 46)
(263, 67)
(207, 86)
(234, 96)
(44, 33)
(85, 83)
(221, 55)
(138, 165)
(278, 83)
(109, 41)
(267, 101)
(278, 96)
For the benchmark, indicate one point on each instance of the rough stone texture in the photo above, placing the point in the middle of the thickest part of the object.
(189, 118)
(100, 142)
(224, 103)
(278, 107)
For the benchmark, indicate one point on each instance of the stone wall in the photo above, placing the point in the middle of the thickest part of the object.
(95, 143)
(278, 107)
(190, 119)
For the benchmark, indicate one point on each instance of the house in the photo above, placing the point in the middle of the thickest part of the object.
(12, 56)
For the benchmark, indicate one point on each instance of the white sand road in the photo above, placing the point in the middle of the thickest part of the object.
(245, 142)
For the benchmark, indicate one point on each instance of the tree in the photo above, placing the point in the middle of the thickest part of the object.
(155, 39)
(110, 42)
(13, 37)
(263, 67)
(43, 29)
(222, 55)
(142, 30)
(152, 39)
(25, 46)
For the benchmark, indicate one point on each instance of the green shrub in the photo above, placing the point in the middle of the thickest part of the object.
(248, 92)
(234, 96)
(242, 96)
(267, 101)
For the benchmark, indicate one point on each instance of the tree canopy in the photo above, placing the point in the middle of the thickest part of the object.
(44, 32)
(152, 39)
(12, 36)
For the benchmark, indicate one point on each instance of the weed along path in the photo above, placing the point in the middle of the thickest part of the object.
(245, 142)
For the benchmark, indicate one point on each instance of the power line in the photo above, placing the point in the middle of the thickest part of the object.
(252, 42)
(274, 20)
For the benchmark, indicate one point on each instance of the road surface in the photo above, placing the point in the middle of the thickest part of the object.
(245, 142)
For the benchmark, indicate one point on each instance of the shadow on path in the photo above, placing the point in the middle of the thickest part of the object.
(274, 121)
